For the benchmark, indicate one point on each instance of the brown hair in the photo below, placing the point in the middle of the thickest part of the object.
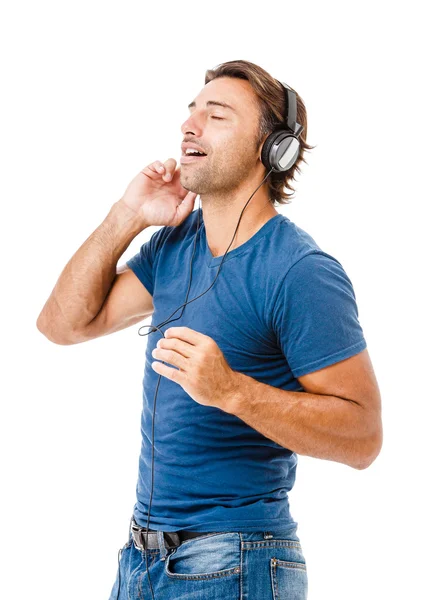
(271, 102)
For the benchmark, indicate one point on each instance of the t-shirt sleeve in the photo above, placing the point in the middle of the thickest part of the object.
(315, 315)
(143, 263)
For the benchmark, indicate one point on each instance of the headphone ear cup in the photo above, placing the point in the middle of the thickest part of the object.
(284, 155)
(269, 142)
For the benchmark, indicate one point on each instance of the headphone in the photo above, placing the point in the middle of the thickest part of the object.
(281, 149)
(279, 153)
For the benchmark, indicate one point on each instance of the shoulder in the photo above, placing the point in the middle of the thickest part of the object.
(315, 264)
(289, 248)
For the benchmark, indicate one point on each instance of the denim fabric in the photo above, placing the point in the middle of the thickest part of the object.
(266, 565)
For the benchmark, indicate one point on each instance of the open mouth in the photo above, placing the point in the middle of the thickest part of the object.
(194, 153)
(192, 156)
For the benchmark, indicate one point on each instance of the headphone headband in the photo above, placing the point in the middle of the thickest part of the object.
(290, 117)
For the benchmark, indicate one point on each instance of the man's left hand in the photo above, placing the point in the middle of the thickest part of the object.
(202, 370)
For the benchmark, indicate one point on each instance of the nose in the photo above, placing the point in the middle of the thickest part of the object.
(192, 125)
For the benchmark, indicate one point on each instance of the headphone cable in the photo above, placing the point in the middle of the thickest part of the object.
(157, 328)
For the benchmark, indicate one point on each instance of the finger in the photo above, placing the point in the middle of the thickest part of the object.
(168, 372)
(187, 205)
(155, 170)
(186, 334)
(170, 165)
(177, 345)
(171, 357)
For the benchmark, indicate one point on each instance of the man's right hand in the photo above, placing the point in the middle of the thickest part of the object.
(157, 199)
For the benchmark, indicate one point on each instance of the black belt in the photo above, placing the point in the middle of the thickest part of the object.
(143, 540)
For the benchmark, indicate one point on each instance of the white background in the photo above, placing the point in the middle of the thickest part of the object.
(91, 93)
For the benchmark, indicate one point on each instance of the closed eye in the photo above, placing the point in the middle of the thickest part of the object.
(220, 118)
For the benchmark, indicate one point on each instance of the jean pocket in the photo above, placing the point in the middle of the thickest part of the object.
(284, 542)
(288, 574)
(286, 553)
(289, 579)
(211, 556)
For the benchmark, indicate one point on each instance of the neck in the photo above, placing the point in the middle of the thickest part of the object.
(221, 216)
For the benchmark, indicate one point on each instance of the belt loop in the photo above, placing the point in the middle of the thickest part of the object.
(161, 541)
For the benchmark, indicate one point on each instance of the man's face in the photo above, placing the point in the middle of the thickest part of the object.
(226, 135)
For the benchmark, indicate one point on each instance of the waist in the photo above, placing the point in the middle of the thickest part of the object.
(143, 539)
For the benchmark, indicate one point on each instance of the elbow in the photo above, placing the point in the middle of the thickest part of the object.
(363, 465)
(47, 332)
(370, 455)
(41, 326)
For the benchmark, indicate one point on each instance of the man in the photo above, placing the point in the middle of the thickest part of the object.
(269, 363)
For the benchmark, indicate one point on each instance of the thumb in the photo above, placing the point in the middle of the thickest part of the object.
(185, 208)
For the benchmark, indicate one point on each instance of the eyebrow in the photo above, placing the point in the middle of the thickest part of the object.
(213, 103)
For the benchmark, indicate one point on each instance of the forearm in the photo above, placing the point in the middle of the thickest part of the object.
(87, 278)
(314, 425)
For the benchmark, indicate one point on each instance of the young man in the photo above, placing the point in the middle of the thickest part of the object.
(269, 363)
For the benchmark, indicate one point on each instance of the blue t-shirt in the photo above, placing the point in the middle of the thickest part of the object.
(280, 308)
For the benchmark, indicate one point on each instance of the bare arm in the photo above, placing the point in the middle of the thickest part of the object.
(337, 417)
(92, 298)
(87, 279)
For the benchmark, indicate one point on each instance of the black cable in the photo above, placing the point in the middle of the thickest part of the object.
(157, 328)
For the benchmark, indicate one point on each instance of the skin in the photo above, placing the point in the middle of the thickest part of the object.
(232, 169)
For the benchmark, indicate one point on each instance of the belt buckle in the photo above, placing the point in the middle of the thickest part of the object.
(171, 538)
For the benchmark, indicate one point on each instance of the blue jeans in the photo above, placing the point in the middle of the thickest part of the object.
(266, 565)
